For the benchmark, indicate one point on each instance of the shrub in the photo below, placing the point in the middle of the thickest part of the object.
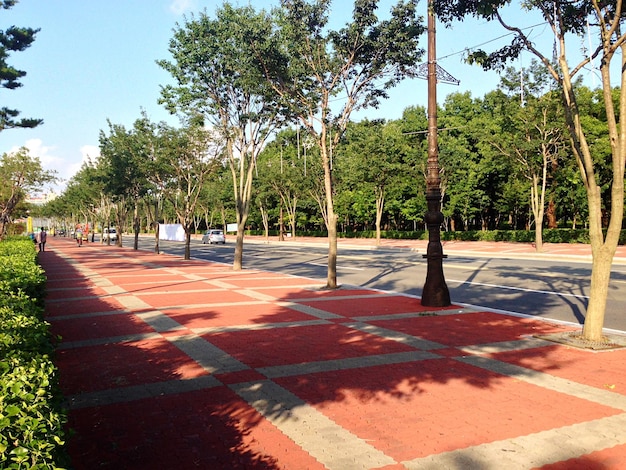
(19, 270)
(31, 417)
(522, 236)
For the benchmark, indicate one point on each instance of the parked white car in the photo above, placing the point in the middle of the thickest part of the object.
(109, 233)
(213, 236)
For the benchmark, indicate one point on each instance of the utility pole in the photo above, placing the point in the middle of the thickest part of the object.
(435, 292)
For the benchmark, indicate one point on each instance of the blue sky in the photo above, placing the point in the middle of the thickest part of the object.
(94, 60)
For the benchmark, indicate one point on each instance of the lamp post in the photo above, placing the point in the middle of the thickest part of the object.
(435, 292)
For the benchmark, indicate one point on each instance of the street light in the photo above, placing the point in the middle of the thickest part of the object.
(435, 292)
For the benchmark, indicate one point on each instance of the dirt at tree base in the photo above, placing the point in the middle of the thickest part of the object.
(576, 340)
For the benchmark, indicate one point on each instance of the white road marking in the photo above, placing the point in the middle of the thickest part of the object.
(338, 267)
(497, 286)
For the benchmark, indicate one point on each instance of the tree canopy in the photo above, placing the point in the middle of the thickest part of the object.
(13, 39)
(218, 74)
(571, 21)
(323, 76)
(20, 173)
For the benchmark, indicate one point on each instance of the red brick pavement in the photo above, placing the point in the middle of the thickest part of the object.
(165, 382)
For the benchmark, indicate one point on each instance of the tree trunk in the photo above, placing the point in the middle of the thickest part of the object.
(136, 225)
(331, 226)
(266, 222)
(551, 213)
(598, 292)
(187, 242)
(538, 200)
(157, 227)
(292, 211)
(538, 237)
(281, 226)
(380, 203)
(5, 215)
(331, 279)
(602, 250)
(238, 261)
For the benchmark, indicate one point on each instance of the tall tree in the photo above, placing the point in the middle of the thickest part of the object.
(85, 200)
(13, 39)
(281, 168)
(19, 173)
(372, 161)
(324, 76)
(531, 135)
(153, 141)
(215, 64)
(410, 197)
(123, 159)
(193, 156)
(473, 172)
(571, 20)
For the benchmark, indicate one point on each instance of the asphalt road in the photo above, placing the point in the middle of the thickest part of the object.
(552, 289)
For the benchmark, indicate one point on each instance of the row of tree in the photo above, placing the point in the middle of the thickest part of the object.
(570, 22)
(504, 163)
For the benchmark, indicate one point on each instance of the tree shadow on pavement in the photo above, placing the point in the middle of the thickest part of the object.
(236, 386)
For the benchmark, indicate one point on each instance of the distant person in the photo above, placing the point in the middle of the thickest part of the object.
(79, 237)
(42, 236)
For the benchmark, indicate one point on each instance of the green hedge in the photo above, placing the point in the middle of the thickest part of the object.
(31, 417)
(522, 236)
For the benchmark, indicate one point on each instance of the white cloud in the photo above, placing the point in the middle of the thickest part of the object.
(46, 155)
(65, 168)
(36, 148)
(90, 153)
(180, 7)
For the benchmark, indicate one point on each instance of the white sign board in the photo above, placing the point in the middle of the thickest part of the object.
(231, 227)
(172, 232)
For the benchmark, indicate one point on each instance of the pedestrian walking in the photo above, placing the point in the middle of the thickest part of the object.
(41, 239)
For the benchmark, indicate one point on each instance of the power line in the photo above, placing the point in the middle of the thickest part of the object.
(489, 41)
(469, 48)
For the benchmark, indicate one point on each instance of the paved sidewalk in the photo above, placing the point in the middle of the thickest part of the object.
(168, 363)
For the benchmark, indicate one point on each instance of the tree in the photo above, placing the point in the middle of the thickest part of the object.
(410, 199)
(282, 167)
(572, 20)
(19, 173)
(218, 75)
(473, 172)
(216, 200)
(193, 155)
(357, 63)
(14, 39)
(84, 201)
(152, 141)
(372, 161)
(123, 158)
(531, 134)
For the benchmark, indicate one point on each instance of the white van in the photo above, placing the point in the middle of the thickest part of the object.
(109, 233)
